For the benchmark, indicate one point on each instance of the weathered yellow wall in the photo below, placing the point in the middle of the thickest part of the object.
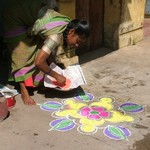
(132, 15)
(67, 7)
(123, 22)
(131, 24)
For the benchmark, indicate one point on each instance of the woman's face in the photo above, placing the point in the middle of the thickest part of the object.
(74, 40)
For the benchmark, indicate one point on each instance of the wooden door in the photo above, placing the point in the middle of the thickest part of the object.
(93, 12)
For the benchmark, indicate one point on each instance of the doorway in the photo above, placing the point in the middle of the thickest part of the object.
(93, 12)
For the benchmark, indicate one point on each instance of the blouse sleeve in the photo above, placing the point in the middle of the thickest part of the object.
(51, 43)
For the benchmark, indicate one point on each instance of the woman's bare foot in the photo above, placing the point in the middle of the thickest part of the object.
(25, 95)
(27, 99)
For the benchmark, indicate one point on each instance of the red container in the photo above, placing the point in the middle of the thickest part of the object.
(3, 108)
(11, 102)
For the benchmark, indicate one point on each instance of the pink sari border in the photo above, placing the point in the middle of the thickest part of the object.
(38, 77)
(15, 32)
(55, 24)
(23, 71)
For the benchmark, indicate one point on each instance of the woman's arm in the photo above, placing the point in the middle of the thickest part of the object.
(41, 63)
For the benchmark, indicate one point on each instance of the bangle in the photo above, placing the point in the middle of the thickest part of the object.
(49, 71)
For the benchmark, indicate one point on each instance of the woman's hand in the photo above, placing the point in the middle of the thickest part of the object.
(61, 80)
(41, 63)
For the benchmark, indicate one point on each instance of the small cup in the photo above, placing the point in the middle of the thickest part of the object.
(11, 101)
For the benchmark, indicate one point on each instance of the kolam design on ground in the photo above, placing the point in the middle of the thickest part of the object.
(131, 107)
(89, 118)
(51, 106)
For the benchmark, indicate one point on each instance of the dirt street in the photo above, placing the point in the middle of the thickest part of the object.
(123, 75)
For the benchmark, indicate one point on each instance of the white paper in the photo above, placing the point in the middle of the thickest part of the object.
(7, 92)
(74, 73)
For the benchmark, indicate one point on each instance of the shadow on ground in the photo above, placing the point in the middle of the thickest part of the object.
(92, 55)
(54, 93)
(51, 93)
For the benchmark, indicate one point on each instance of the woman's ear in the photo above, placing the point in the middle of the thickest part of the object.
(71, 31)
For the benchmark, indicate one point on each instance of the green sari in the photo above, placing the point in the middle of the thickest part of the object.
(25, 33)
